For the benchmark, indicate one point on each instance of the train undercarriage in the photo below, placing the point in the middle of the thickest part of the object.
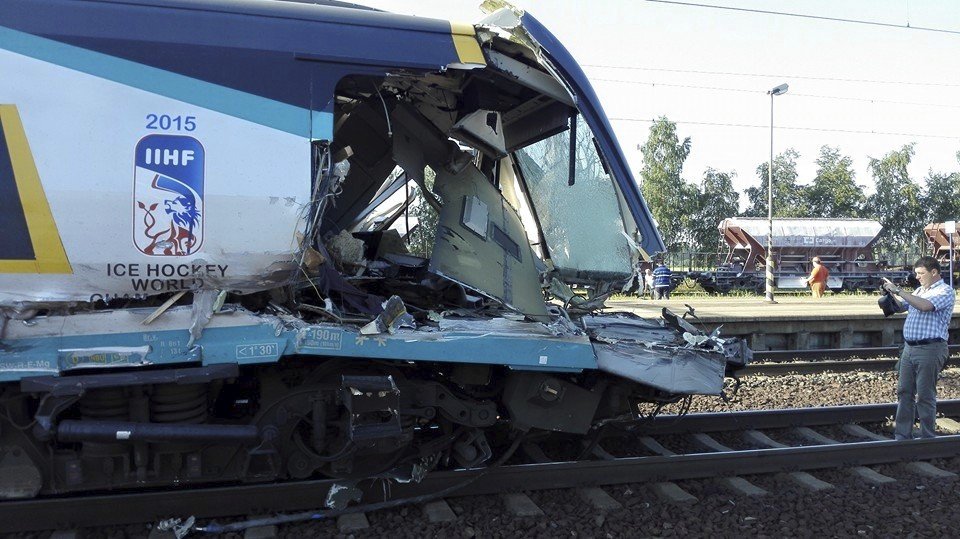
(300, 419)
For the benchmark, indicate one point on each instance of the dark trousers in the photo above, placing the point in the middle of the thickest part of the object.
(917, 388)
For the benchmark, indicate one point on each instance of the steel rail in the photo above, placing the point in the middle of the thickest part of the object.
(307, 495)
(221, 501)
(835, 353)
(817, 367)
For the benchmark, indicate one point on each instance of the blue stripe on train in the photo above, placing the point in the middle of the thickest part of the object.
(282, 51)
(263, 111)
(258, 344)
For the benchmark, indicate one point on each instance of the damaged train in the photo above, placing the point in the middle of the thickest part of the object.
(207, 271)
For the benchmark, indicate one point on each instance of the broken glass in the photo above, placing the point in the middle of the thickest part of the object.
(581, 223)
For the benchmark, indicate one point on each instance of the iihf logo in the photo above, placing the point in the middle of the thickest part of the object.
(168, 195)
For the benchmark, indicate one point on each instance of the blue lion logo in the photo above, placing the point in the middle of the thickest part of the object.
(179, 238)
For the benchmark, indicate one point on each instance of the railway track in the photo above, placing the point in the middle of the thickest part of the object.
(762, 453)
(817, 367)
(782, 362)
(835, 353)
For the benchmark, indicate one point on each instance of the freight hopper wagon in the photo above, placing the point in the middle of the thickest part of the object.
(206, 266)
(943, 247)
(844, 245)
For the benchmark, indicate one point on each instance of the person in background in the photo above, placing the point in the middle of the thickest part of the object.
(818, 278)
(661, 281)
(648, 283)
(925, 350)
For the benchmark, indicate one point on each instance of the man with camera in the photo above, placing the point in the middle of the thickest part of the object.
(925, 351)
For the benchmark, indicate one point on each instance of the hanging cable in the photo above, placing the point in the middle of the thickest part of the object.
(772, 75)
(804, 16)
(386, 113)
(794, 128)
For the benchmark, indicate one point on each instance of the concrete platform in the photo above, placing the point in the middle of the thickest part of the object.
(793, 323)
(747, 309)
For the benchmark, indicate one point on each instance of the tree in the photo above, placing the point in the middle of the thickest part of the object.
(788, 196)
(834, 193)
(718, 200)
(421, 237)
(898, 201)
(670, 198)
(942, 197)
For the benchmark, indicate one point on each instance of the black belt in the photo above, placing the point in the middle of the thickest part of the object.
(921, 342)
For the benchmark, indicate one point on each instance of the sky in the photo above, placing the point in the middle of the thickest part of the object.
(865, 88)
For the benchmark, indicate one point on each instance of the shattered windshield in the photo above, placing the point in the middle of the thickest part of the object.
(581, 223)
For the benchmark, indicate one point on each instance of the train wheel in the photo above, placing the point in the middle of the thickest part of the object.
(310, 432)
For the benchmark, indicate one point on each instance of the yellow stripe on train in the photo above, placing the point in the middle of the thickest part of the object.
(49, 255)
(465, 42)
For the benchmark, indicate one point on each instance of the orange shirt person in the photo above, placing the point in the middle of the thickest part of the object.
(818, 278)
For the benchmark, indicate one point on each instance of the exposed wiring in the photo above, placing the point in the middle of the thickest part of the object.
(386, 113)
(5, 414)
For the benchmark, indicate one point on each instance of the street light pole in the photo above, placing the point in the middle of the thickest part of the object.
(779, 90)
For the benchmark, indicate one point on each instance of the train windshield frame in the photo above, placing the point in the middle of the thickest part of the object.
(581, 217)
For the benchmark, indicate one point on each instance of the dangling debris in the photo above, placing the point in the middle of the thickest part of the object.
(393, 316)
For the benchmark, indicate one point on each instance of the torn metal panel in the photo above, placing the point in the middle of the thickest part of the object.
(502, 327)
(394, 316)
(515, 195)
(663, 355)
(530, 77)
(622, 327)
(671, 369)
(379, 206)
(418, 142)
(206, 303)
(341, 495)
(497, 263)
(482, 129)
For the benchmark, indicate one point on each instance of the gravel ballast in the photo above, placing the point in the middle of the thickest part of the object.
(828, 389)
